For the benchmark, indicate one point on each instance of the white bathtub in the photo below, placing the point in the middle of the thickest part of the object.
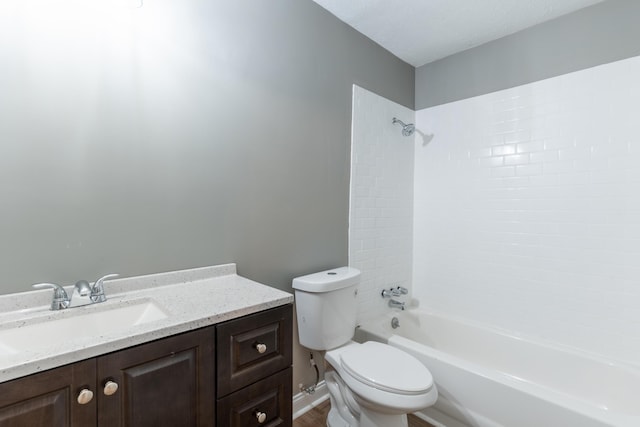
(487, 378)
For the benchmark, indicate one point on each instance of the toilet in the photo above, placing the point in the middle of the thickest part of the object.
(370, 384)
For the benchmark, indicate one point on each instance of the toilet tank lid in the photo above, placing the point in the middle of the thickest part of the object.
(328, 280)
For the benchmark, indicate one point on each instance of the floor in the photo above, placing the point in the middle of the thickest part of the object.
(317, 418)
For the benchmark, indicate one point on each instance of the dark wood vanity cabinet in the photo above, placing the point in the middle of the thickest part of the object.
(254, 369)
(236, 373)
(165, 383)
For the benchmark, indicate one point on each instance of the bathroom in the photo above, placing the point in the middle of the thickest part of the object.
(141, 137)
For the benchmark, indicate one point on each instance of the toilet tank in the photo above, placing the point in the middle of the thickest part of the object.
(326, 307)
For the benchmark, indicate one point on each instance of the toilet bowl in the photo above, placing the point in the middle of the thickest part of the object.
(385, 383)
(370, 384)
(384, 378)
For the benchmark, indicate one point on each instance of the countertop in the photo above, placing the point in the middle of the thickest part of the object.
(191, 299)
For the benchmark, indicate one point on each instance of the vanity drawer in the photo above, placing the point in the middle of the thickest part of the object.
(253, 347)
(265, 403)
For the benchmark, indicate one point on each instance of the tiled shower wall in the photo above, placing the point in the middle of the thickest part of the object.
(527, 210)
(380, 223)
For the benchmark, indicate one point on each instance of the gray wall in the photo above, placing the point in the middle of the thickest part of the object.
(182, 134)
(599, 34)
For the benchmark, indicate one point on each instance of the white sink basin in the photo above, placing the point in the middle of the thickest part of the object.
(92, 321)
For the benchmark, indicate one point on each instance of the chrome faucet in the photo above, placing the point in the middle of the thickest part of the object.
(97, 293)
(396, 304)
(83, 293)
(60, 297)
(394, 292)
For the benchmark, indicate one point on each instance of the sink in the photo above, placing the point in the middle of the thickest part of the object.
(71, 324)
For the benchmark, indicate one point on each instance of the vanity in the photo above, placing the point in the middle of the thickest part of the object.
(201, 347)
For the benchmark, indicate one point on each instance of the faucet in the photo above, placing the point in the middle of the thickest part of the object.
(97, 291)
(394, 292)
(396, 304)
(60, 297)
(83, 293)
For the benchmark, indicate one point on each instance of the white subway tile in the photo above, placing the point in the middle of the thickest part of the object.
(557, 167)
(544, 180)
(558, 143)
(573, 178)
(503, 171)
(547, 244)
(380, 234)
(528, 147)
(574, 154)
(516, 159)
(503, 150)
(544, 156)
(491, 162)
(528, 170)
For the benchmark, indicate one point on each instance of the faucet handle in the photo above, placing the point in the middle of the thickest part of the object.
(60, 297)
(393, 292)
(107, 277)
(97, 293)
(388, 293)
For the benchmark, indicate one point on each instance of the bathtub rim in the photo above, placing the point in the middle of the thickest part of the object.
(581, 406)
(612, 361)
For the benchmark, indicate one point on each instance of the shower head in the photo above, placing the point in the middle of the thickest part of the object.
(407, 129)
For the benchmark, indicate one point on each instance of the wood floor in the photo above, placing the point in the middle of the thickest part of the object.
(317, 417)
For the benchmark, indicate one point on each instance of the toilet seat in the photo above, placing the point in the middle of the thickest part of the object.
(386, 368)
(369, 373)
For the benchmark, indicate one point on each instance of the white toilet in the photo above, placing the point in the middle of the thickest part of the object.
(371, 384)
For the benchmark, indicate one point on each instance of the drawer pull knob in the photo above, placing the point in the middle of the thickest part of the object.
(261, 348)
(110, 387)
(85, 396)
(261, 417)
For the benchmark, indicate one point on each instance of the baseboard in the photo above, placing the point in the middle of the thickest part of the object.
(303, 402)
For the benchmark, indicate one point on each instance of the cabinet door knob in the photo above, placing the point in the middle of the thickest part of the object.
(85, 396)
(261, 347)
(110, 387)
(261, 417)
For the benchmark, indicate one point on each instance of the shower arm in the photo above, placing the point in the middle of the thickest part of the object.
(395, 120)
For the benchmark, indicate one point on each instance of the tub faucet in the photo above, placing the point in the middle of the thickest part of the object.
(394, 292)
(396, 304)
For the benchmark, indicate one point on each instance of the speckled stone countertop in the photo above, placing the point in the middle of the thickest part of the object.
(191, 299)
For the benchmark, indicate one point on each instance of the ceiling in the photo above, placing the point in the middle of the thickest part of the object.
(422, 31)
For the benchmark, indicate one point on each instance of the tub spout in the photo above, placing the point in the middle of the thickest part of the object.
(396, 304)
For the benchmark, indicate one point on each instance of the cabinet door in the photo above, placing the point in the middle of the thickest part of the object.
(166, 383)
(50, 398)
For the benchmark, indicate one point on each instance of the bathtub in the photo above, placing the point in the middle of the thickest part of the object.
(487, 378)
